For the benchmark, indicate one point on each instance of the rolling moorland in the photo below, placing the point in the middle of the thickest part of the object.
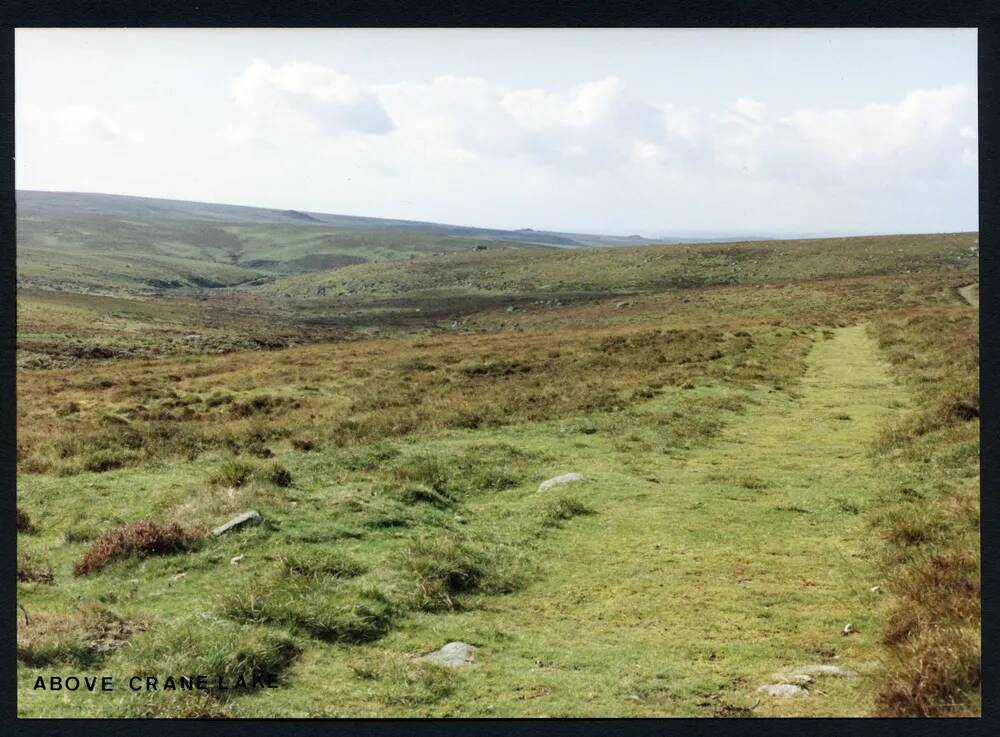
(778, 439)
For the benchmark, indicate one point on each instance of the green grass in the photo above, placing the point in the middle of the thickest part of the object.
(767, 431)
(518, 573)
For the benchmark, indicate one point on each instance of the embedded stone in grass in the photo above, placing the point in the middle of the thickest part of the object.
(822, 669)
(783, 689)
(452, 655)
(247, 518)
(801, 679)
(566, 478)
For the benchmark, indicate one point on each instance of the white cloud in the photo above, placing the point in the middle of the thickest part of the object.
(600, 126)
(588, 105)
(970, 149)
(300, 98)
(879, 133)
(71, 123)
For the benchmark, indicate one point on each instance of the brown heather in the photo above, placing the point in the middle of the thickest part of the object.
(143, 538)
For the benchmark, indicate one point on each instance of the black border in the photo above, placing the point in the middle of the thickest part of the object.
(981, 14)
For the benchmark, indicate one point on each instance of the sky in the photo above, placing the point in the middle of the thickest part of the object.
(623, 132)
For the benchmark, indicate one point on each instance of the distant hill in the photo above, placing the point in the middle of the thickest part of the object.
(103, 243)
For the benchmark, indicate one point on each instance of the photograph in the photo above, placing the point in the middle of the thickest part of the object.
(496, 373)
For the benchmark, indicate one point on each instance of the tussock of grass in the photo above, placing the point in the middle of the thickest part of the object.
(401, 681)
(212, 646)
(447, 566)
(420, 494)
(80, 534)
(326, 609)
(322, 563)
(563, 508)
(106, 459)
(235, 472)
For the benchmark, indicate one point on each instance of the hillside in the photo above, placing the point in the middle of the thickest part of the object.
(527, 273)
(109, 244)
(116, 244)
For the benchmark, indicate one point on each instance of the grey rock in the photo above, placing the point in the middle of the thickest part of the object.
(247, 518)
(235, 560)
(848, 629)
(566, 478)
(823, 669)
(452, 655)
(783, 689)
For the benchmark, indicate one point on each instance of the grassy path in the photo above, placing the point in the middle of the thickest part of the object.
(703, 573)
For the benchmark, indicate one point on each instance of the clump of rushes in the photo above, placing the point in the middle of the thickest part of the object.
(143, 538)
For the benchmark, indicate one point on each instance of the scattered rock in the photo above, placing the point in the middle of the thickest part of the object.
(783, 689)
(452, 655)
(235, 559)
(823, 669)
(566, 478)
(848, 629)
(247, 518)
(876, 589)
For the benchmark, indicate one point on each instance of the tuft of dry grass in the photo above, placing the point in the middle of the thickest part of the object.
(79, 637)
(31, 570)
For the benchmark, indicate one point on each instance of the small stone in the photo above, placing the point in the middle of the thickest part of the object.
(876, 589)
(452, 655)
(235, 559)
(848, 629)
(178, 576)
(566, 478)
(783, 689)
(247, 518)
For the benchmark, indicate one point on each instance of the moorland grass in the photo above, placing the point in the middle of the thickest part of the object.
(396, 477)
(931, 525)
